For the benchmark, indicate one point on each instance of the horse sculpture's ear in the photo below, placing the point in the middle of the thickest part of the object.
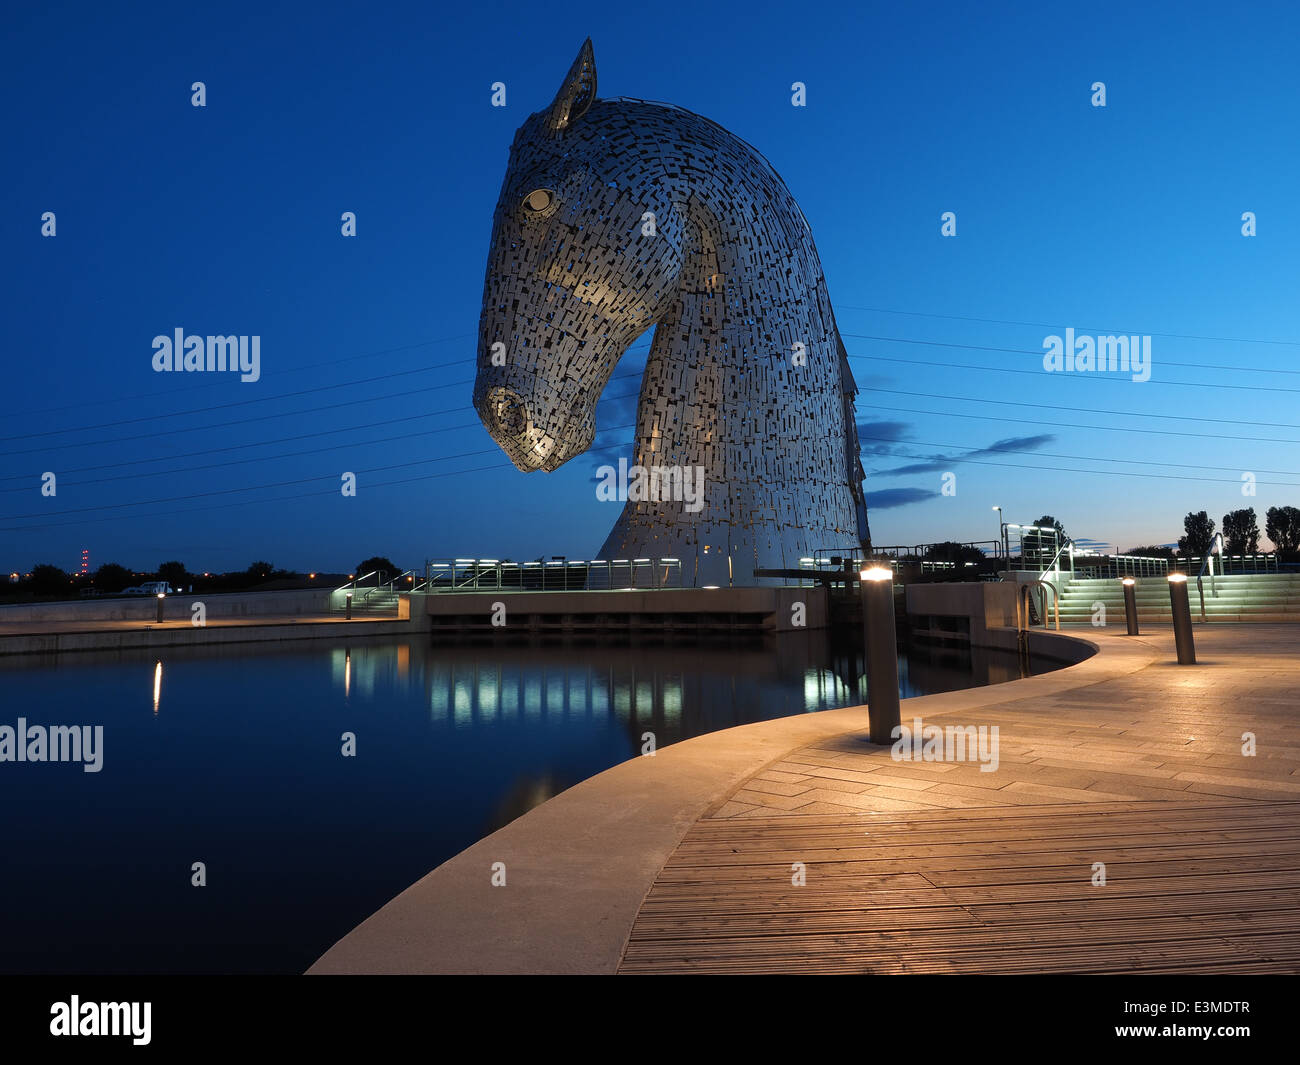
(577, 93)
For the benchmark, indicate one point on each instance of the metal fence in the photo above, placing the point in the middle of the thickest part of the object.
(557, 575)
(1256, 563)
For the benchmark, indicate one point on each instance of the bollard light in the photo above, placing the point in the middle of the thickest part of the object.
(348, 614)
(161, 597)
(880, 649)
(1182, 614)
(1131, 606)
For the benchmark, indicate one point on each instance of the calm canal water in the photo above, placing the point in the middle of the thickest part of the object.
(232, 757)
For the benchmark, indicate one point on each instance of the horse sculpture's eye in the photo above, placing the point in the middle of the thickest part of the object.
(538, 201)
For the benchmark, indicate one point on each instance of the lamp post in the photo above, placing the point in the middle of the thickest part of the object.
(162, 596)
(880, 652)
(1130, 606)
(1182, 614)
(347, 616)
(1002, 536)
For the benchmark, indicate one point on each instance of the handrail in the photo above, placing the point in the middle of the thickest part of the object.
(1022, 596)
(1209, 561)
(355, 583)
(363, 596)
(1067, 542)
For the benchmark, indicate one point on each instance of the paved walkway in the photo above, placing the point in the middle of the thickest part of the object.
(688, 861)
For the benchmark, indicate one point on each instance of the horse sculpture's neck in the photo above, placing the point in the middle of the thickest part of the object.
(746, 376)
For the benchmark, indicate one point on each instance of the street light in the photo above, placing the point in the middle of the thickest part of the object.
(1002, 536)
(880, 652)
(1130, 605)
(1181, 612)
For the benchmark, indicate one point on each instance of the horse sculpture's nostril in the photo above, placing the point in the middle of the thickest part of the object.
(508, 412)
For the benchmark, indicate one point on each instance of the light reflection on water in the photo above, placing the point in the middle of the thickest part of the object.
(231, 755)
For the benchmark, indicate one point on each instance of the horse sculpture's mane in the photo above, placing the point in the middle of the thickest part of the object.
(619, 214)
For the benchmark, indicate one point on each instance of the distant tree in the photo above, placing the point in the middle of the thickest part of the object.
(951, 551)
(1047, 521)
(49, 580)
(379, 562)
(1199, 534)
(1282, 526)
(259, 571)
(1041, 546)
(110, 577)
(1152, 551)
(174, 573)
(1241, 532)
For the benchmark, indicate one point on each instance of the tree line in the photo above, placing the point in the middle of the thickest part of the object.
(1241, 534)
(47, 579)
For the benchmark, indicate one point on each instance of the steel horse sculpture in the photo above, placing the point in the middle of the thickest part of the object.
(618, 215)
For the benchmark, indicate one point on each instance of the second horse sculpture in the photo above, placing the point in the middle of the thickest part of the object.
(618, 215)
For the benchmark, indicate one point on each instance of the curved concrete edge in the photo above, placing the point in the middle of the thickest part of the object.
(219, 633)
(579, 866)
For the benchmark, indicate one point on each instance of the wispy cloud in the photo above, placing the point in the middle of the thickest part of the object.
(889, 498)
(878, 438)
(941, 461)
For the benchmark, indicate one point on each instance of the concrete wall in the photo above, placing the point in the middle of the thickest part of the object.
(986, 604)
(775, 603)
(1043, 644)
(46, 643)
(176, 607)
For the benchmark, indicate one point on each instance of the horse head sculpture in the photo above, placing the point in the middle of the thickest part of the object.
(617, 215)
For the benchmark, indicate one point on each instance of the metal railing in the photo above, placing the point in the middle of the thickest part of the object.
(557, 575)
(899, 557)
(364, 597)
(1257, 562)
(1209, 563)
(1022, 604)
(1139, 566)
(1054, 565)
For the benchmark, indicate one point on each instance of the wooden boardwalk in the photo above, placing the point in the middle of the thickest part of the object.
(1211, 887)
(935, 867)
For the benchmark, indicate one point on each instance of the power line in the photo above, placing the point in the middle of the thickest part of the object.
(265, 417)
(299, 436)
(291, 454)
(1126, 473)
(1099, 410)
(253, 502)
(1047, 454)
(265, 443)
(236, 403)
(254, 487)
(1067, 425)
(218, 381)
(1083, 375)
(1090, 328)
(243, 402)
(1038, 353)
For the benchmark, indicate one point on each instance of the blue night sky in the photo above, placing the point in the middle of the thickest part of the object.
(226, 219)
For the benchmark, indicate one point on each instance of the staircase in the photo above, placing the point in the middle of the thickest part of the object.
(367, 602)
(1242, 597)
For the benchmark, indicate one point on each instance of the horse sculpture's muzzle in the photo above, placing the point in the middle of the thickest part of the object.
(530, 442)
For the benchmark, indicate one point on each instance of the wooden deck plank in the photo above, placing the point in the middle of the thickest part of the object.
(1191, 887)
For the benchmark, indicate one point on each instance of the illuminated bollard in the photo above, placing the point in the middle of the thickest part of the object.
(1182, 612)
(1131, 606)
(881, 652)
(162, 596)
(348, 613)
